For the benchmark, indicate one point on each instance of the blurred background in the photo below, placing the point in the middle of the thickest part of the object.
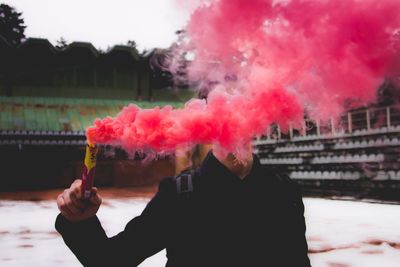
(53, 86)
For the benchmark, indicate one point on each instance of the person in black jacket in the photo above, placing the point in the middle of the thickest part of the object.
(237, 214)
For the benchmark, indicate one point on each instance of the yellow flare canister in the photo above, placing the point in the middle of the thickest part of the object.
(89, 166)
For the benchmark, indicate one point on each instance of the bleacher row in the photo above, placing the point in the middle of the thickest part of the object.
(379, 142)
(60, 114)
(326, 160)
(345, 175)
(284, 161)
(64, 101)
(388, 175)
(349, 159)
(348, 175)
(43, 142)
(31, 133)
(301, 148)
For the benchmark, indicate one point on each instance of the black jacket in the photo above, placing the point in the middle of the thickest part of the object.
(226, 221)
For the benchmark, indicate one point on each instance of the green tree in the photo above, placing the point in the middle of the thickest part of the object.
(61, 43)
(131, 43)
(12, 26)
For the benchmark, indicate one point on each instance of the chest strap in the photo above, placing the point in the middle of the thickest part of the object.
(184, 183)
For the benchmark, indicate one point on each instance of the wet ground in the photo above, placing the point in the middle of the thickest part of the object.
(340, 233)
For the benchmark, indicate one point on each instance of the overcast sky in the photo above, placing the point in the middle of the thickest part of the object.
(151, 23)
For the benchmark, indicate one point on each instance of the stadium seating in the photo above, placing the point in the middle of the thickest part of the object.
(52, 116)
(369, 153)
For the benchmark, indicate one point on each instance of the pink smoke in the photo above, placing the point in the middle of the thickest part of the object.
(287, 58)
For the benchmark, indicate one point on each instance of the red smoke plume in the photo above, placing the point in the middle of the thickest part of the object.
(272, 61)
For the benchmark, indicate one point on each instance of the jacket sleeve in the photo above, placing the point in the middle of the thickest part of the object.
(300, 241)
(142, 237)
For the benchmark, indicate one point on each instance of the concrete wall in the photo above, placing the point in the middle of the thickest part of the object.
(35, 168)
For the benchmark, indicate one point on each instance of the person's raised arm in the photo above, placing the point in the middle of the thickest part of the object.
(143, 236)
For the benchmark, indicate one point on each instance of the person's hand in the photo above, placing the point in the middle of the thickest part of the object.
(72, 205)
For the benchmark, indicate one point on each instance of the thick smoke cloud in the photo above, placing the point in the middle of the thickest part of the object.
(269, 62)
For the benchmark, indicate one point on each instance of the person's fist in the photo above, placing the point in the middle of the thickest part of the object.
(72, 205)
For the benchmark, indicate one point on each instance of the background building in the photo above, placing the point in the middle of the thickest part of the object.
(49, 95)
